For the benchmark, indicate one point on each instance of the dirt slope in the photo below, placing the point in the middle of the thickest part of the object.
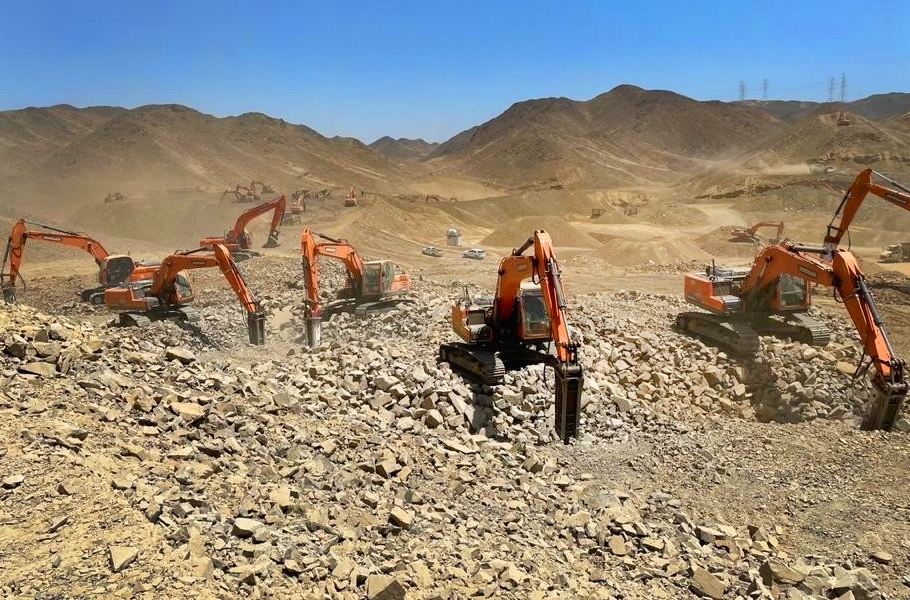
(161, 148)
(31, 134)
(403, 148)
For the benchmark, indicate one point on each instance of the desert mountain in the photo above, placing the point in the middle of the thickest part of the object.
(403, 148)
(166, 147)
(875, 107)
(627, 136)
(818, 136)
(32, 134)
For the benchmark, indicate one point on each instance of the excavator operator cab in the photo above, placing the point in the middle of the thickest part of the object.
(534, 320)
(372, 278)
(378, 276)
(183, 288)
(116, 270)
(792, 292)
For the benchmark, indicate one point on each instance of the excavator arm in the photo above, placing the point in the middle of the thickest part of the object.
(15, 248)
(861, 187)
(844, 275)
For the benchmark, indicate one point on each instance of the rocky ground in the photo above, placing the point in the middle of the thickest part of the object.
(180, 461)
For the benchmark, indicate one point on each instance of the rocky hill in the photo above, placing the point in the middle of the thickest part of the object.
(403, 148)
(623, 137)
(875, 107)
(166, 147)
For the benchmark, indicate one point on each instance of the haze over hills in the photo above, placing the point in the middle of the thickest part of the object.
(165, 147)
(875, 107)
(403, 148)
(628, 137)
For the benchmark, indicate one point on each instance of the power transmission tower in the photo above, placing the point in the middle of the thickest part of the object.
(764, 89)
(742, 90)
(843, 86)
(831, 90)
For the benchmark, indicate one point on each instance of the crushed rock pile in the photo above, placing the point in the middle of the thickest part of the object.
(363, 468)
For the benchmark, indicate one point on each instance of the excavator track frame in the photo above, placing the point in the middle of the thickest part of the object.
(482, 364)
(732, 334)
(799, 327)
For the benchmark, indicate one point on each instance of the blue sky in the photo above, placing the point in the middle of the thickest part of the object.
(431, 69)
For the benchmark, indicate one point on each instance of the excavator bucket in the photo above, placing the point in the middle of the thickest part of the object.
(255, 322)
(313, 327)
(272, 242)
(569, 384)
(9, 294)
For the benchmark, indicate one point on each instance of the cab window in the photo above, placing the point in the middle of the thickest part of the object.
(792, 290)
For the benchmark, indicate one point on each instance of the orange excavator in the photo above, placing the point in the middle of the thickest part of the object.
(371, 286)
(742, 234)
(517, 327)
(744, 302)
(166, 293)
(113, 269)
(351, 200)
(861, 187)
(239, 241)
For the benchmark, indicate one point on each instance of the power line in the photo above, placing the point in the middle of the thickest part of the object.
(742, 89)
(843, 86)
(831, 90)
(764, 89)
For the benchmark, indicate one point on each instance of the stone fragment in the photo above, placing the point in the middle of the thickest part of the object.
(13, 481)
(121, 557)
(244, 527)
(184, 355)
(383, 587)
(705, 584)
(882, 557)
(401, 518)
(43, 369)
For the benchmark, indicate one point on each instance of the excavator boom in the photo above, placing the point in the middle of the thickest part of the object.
(861, 187)
(15, 247)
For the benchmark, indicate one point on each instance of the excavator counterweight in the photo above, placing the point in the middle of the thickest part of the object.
(522, 325)
(771, 299)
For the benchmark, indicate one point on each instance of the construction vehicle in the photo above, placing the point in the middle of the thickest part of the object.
(293, 216)
(742, 234)
(115, 197)
(843, 119)
(113, 269)
(243, 193)
(239, 241)
(351, 200)
(517, 327)
(895, 253)
(167, 291)
(861, 187)
(371, 286)
(772, 297)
